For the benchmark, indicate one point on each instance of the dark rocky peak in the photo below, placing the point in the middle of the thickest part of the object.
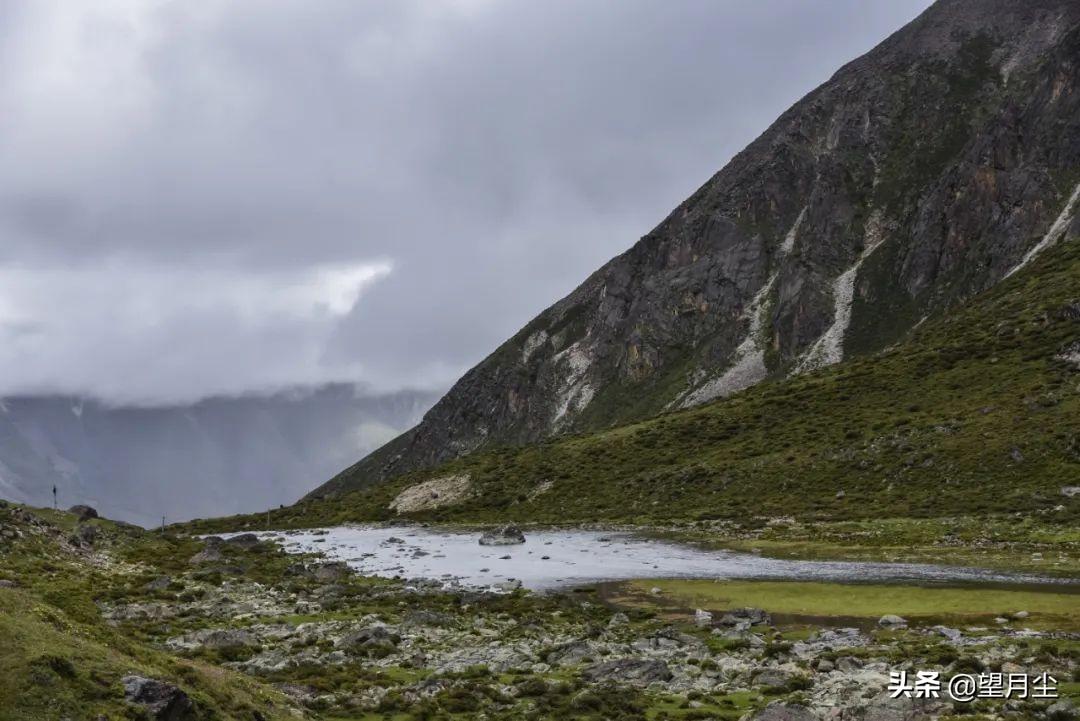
(918, 175)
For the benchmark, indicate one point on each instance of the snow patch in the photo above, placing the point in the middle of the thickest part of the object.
(1057, 229)
(829, 348)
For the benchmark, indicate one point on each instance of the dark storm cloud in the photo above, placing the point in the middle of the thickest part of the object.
(218, 197)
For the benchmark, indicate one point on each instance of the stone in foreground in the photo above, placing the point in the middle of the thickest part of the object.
(505, 536)
(164, 701)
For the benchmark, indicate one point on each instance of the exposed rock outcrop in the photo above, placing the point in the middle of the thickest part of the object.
(918, 175)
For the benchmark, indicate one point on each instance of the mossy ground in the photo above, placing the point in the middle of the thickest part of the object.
(63, 655)
(1056, 609)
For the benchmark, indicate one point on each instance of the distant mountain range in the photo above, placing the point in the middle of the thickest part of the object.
(221, 455)
(918, 176)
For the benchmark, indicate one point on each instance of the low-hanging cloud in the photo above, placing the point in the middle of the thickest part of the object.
(207, 197)
(137, 334)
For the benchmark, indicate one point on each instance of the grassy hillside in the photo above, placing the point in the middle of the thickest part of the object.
(977, 413)
(60, 658)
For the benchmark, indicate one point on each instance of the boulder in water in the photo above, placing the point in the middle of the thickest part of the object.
(505, 536)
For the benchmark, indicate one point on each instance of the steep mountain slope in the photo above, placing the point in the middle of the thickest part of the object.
(219, 455)
(919, 175)
(977, 414)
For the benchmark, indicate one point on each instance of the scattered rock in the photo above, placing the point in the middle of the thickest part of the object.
(85, 513)
(5, 583)
(1070, 491)
(772, 678)
(780, 711)
(950, 633)
(570, 654)
(84, 535)
(618, 619)
(1062, 710)
(326, 572)
(210, 554)
(213, 638)
(164, 701)
(702, 617)
(892, 620)
(1021, 615)
(244, 540)
(743, 616)
(368, 638)
(849, 664)
(158, 584)
(632, 671)
(505, 536)
(1016, 455)
(297, 691)
(428, 618)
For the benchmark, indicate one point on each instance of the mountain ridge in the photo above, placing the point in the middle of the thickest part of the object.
(917, 176)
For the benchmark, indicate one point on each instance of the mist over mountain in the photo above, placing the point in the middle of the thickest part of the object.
(220, 455)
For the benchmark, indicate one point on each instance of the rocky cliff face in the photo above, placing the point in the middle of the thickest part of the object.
(919, 174)
(218, 456)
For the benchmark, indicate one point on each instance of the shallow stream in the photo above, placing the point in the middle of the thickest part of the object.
(565, 558)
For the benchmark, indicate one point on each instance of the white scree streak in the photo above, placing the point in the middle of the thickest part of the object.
(1057, 229)
(575, 390)
(829, 348)
(748, 367)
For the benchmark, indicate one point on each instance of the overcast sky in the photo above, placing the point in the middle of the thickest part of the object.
(203, 197)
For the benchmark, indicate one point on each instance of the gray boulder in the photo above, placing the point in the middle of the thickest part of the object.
(772, 678)
(505, 536)
(367, 638)
(780, 711)
(632, 671)
(420, 618)
(163, 701)
(244, 540)
(743, 616)
(210, 554)
(160, 583)
(326, 572)
(84, 535)
(84, 513)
